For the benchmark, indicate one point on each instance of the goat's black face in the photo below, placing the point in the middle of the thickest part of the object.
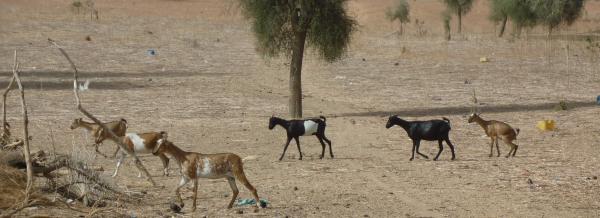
(272, 123)
(390, 122)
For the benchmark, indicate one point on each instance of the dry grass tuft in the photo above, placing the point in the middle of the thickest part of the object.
(12, 189)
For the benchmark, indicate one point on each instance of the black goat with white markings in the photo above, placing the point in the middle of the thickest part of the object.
(297, 128)
(431, 130)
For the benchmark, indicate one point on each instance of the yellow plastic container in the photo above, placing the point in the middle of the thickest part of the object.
(546, 125)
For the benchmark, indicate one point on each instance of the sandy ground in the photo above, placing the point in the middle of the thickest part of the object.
(209, 89)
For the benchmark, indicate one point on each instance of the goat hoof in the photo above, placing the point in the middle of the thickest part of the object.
(434, 159)
(411, 159)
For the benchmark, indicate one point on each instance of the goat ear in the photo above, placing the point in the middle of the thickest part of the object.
(164, 135)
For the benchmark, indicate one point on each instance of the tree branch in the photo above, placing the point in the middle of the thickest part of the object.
(25, 131)
(118, 139)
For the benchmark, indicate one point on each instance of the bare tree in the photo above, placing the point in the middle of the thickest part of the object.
(115, 138)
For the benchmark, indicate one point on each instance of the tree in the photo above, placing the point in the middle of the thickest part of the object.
(460, 8)
(556, 12)
(447, 18)
(285, 26)
(400, 12)
(499, 13)
(518, 11)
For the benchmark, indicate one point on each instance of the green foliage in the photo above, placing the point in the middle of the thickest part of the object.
(521, 13)
(327, 25)
(400, 12)
(461, 7)
(556, 12)
(76, 4)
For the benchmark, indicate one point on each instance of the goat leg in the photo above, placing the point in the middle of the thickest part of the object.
(441, 147)
(418, 146)
(285, 148)
(413, 151)
(182, 182)
(297, 138)
(235, 191)
(328, 142)
(96, 148)
(497, 147)
(195, 194)
(451, 147)
(323, 146)
(492, 147)
(515, 151)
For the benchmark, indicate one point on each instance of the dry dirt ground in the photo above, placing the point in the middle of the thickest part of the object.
(209, 89)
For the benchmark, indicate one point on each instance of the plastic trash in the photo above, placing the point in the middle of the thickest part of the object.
(546, 125)
(151, 52)
(483, 59)
(246, 201)
(598, 100)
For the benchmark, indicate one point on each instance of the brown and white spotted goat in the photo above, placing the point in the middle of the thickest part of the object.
(119, 127)
(211, 166)
(144, 143)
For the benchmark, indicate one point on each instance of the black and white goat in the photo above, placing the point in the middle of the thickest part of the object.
(297, 128)
(431, 130)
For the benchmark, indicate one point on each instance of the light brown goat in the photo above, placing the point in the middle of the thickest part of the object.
(119, 127)
(212, 166)
(143, 143)
(497, 129)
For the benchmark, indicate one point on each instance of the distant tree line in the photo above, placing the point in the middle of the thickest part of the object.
(520, 13)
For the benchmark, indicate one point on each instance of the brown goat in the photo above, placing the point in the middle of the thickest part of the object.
(119, 127)
(211, 166)
(497, 129)
(140, 143)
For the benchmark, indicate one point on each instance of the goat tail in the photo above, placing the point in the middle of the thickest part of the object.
(251, 157)
(446, 119)
(323, 118)
(517, 130)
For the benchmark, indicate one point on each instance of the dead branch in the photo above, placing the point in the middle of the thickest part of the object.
(5, 132)
(13, 146)
(25, 130)
(118, 140)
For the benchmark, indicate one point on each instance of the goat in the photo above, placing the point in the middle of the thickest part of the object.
(297, 128)
(141, 143)
(119, 127)
(497, 129)
(431, 130)
(195, 165)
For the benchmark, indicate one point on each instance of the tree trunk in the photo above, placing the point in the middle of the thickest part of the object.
(459, 15)
(401, 29)
(295, 101)
(503, 26)
(295, 104)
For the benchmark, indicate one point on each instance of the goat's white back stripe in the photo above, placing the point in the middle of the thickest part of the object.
(310, 127)
(138, 142)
